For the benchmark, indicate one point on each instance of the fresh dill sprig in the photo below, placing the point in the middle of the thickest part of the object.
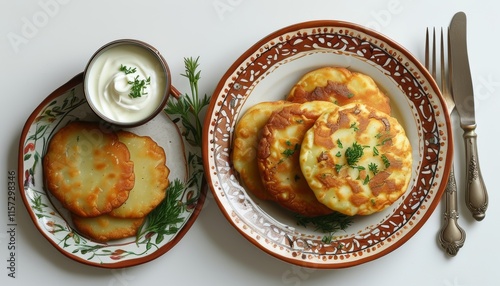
(330, 223)
(164, 218)
(189, 107)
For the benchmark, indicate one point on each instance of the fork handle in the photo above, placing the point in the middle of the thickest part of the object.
(452, 236)
(476, 196)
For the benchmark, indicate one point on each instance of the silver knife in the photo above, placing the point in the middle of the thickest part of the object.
(476, 196)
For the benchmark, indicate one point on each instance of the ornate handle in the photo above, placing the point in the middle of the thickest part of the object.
(476, 196)
(452, 236)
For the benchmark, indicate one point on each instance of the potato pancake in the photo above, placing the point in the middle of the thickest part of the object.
(246, 140)
(340, 86)
(104, 228)
(87, 169)
(151, 176)
(357, 160)
(278, 157)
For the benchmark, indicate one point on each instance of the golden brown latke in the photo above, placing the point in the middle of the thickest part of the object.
(357, 160)
(278, 157)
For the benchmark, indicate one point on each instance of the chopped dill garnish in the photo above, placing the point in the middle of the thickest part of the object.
(289, 152)
(127, 70)
(386, 161)
(338, 167)
(339, 143)
(354, 126)
(373, 167)
(353, 154)
(366, 180)
(385, 140)
(138, 86)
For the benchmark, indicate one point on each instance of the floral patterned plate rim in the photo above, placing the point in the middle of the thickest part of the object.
(266, 72)
(67, 103)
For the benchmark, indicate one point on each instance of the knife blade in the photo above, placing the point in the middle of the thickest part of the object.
(476, 195)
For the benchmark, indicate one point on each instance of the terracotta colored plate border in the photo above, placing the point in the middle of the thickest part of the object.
(267, 71)
(68, 103)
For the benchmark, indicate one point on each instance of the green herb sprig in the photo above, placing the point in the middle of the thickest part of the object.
(164, 218)
(353, 154)
(138, 85)
(373, 167)
(190, 107)
(127, 70)
(290, 151)
(386, 161)
(328, 224)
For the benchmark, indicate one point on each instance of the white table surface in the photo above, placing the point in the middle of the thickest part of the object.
(44, 43)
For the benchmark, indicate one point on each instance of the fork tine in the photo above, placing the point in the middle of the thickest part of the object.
(433, 68)
(444, 79)
(427, 48)
(430, 55)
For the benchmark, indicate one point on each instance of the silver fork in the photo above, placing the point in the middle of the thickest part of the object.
(451, 236)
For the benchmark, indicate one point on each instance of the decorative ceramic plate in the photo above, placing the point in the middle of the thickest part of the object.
(266, 72)
(67, 104)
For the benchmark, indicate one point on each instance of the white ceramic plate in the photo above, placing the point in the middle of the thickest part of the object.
(66, 104)
(267, 71)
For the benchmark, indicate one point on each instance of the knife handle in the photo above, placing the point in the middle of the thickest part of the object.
(476, 196)
(452, 236)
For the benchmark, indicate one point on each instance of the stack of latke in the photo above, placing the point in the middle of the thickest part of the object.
(109, 181)
(332, 145)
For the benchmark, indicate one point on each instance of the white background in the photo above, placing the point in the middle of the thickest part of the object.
(54, 40)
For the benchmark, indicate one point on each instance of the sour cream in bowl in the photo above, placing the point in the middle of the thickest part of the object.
(127, 82)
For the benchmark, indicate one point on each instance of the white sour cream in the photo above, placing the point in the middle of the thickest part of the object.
(108, 88)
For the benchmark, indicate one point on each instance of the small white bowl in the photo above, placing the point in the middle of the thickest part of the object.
(127, 82)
